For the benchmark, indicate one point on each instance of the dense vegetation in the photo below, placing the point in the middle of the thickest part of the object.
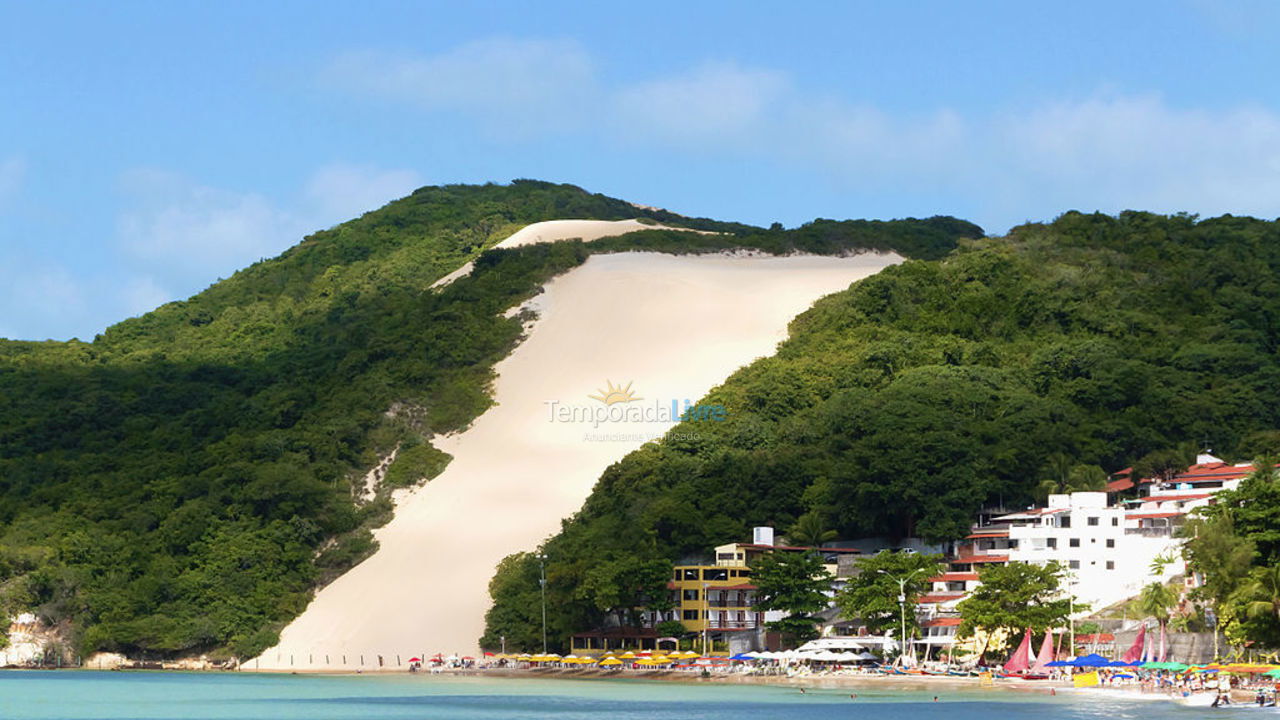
(186, 480)
(1235, 547)
(902, 405)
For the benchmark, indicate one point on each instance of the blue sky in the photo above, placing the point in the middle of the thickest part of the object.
(149, 148)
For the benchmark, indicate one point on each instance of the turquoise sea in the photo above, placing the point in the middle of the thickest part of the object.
(143, 695)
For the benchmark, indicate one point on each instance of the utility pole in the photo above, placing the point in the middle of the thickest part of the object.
(542, 583)
(902, 606)
(706, 617)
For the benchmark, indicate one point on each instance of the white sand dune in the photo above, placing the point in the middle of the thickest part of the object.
(673, 326)
(553, 230)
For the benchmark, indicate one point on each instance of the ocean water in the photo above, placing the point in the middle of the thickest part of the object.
(143, 695)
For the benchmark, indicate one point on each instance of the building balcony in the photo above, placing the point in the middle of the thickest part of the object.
(735, 604)
(1150, 531)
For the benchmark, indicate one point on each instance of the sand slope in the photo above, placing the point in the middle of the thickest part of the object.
(673, 326)
(553, 230)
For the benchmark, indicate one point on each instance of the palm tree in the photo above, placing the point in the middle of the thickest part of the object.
(1062, 476)
(1157, 600)
(810, 530)
(1263, 589)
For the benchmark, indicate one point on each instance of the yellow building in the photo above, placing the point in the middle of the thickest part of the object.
(714, 597)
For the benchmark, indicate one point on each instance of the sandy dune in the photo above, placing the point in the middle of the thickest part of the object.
(673, 326)
(552, 230)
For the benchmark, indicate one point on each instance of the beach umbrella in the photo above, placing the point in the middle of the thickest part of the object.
(1113, 663)
(570, 656)
(689, 655)
(742, 657)
(1090, 660)
(1272, 673)
(414, 659)
(611, 662)
(1059, 663)
(628, 655)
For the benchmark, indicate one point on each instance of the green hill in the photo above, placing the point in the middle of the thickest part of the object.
(184, 482)
(903, 404)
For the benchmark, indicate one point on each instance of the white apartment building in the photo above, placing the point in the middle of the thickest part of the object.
(1107, 555)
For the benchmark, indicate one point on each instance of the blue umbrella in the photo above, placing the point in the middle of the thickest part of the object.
(742, 656)
(1119, 663)
(1091, 660)
(1058, 663)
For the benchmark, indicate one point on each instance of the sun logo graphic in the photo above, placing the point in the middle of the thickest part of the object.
(613, 394)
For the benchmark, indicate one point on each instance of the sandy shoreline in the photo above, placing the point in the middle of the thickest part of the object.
(675, 326)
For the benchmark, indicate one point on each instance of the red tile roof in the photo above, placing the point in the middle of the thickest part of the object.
(954, 577)
(1145, 516)
(1119, 485)
(992, 533)
(743, 586)
(941, 622)
(1173, 496)
(1095, 639)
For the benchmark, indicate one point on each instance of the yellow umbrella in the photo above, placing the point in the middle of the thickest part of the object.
(628, 655)
(610, 661)
(689, 655)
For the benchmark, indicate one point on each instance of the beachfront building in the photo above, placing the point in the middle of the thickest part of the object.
(1107, 558)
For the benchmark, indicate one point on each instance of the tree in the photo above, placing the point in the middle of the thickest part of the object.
(1157, 601)
(1015, 597)
(625, 584)
(810, 530)
(1261, 593)
(872, 593)
(1064, 476)
(795, 583)
(1163, 465)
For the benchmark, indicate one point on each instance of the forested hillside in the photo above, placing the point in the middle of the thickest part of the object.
(186, 480)
(902, 405)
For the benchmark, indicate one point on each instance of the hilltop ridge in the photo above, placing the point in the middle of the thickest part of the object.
(184, 482)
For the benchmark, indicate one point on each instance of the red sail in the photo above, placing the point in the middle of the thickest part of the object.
(1046, 654)
(1134, 653)
(1021, 658)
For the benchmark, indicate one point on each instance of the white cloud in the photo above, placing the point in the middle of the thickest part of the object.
(341, 192)
(184, 232)
(181, 224)
(716, 105)
(514, 85)
(1123, 152)
(1108, 151)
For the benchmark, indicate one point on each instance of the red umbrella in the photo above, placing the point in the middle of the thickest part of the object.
(415, 659)
(467, 657)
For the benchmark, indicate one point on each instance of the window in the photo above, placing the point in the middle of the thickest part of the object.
(724, 556)
(715, 574)
(1064, 521)
(690, 574)
(1051, 543)
(689, 595)
(1074, 542)
(689, 615)
(1111, 543)
(1111, 565)
(1093, 520)
(1073, 564)
(1115, 522)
